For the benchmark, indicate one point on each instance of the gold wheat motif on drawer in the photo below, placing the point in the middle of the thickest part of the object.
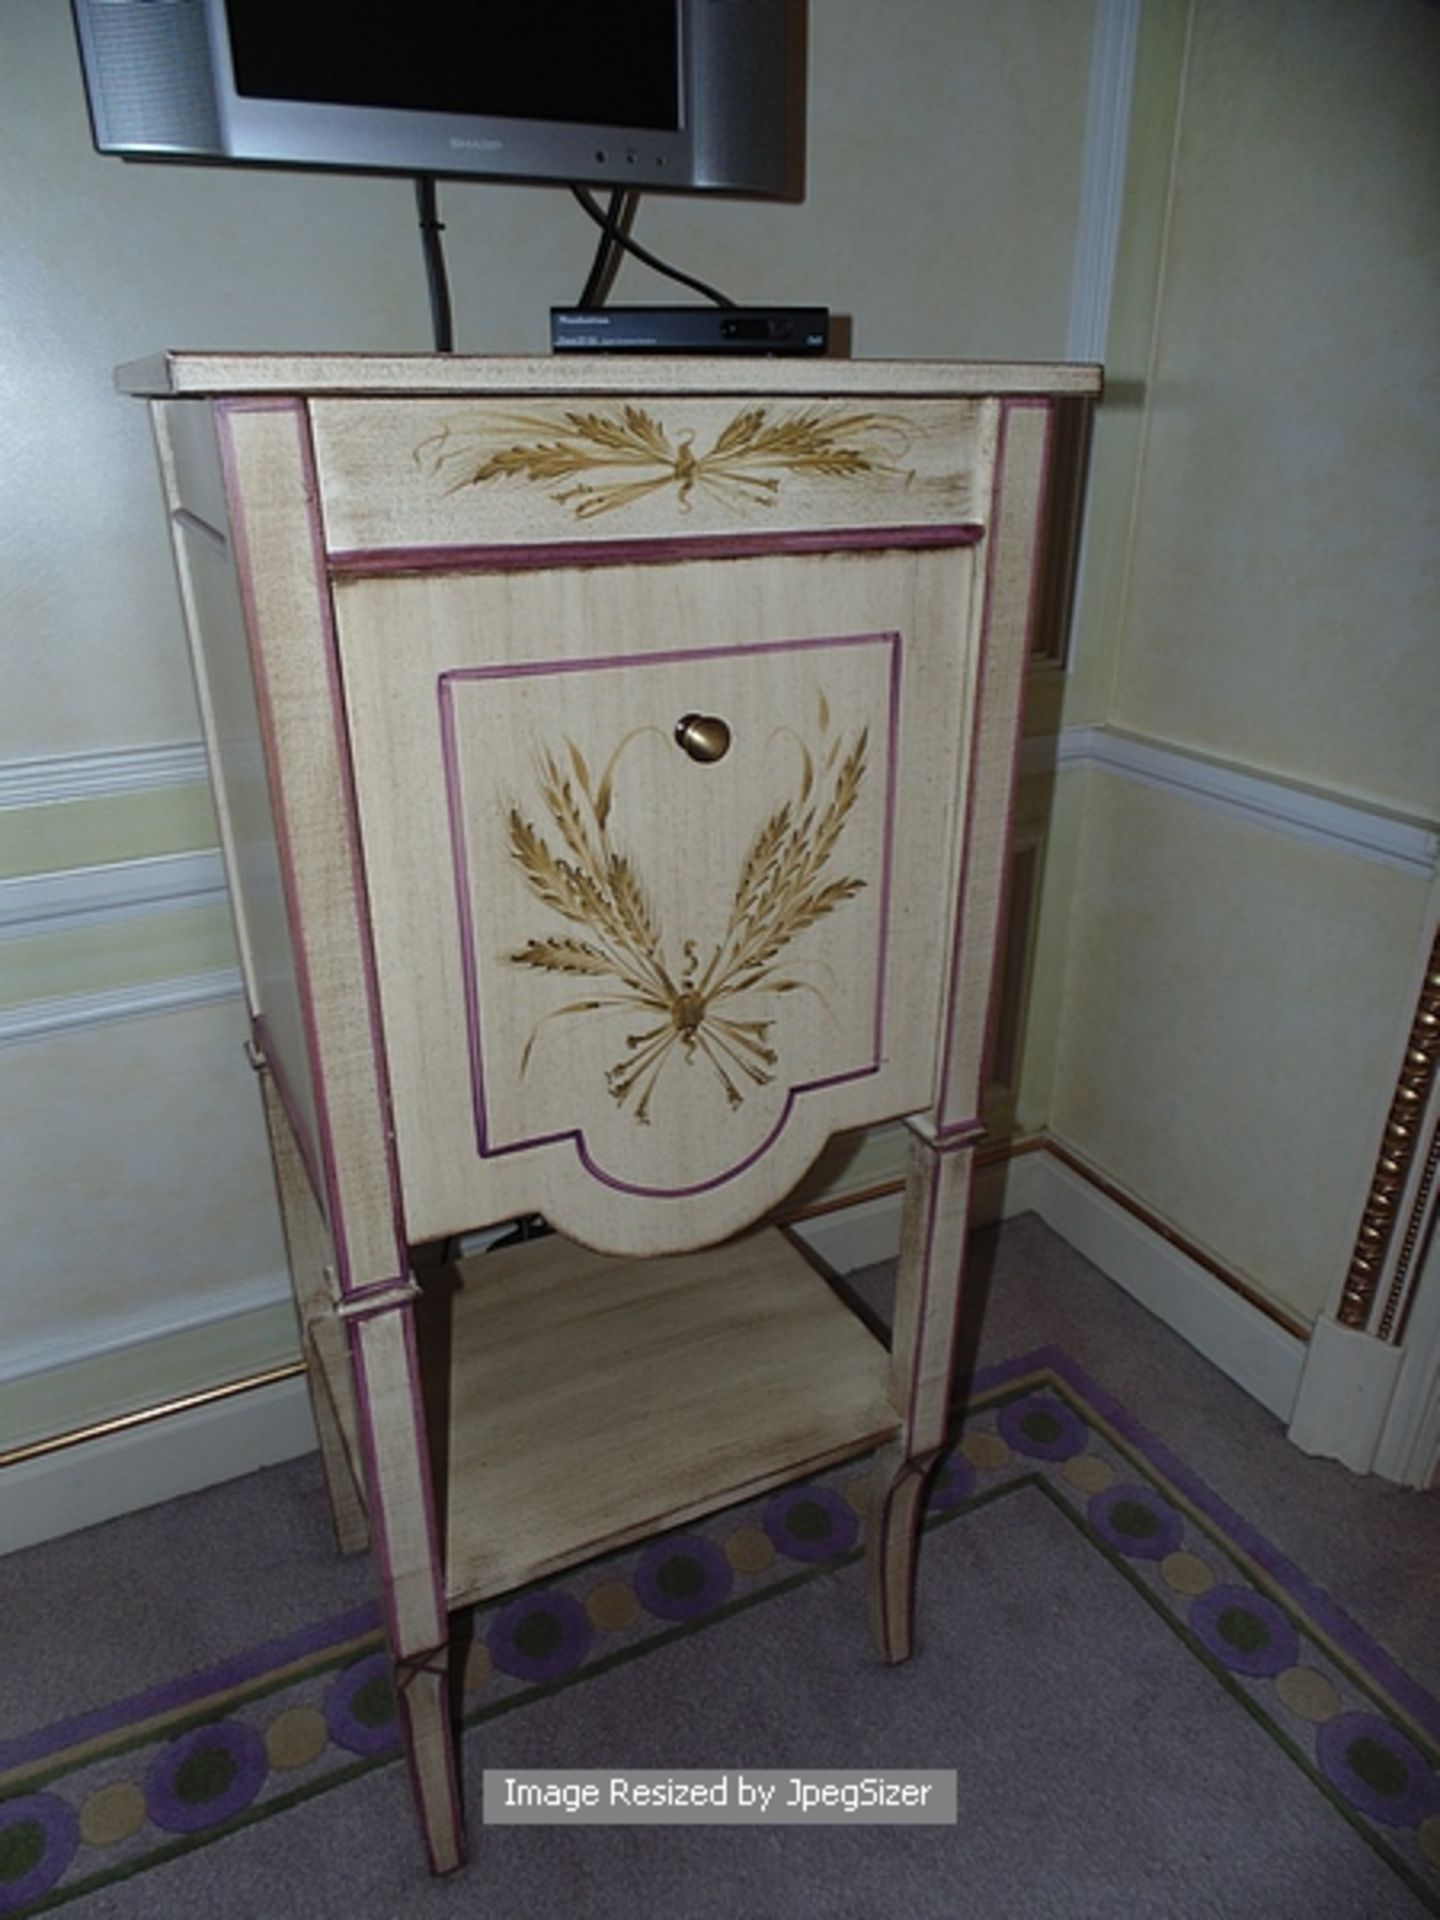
(594, 463)
(784, 887)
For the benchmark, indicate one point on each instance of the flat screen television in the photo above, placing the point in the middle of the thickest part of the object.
(677, 95)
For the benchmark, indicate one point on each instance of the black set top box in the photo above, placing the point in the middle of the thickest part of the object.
(689, 329)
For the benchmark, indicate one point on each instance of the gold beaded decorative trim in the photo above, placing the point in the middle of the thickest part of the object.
(1397, 1153)
(1421, 1224)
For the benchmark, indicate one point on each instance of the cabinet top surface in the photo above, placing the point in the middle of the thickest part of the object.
(176, 374)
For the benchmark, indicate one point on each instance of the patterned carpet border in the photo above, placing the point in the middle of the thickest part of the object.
(113, 1792)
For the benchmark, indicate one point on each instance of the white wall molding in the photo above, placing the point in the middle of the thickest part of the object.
(82, 1485)
(1265, 799)
(1344, 1396)
(1408, 1449)
(39, 1019)
(90, 896)
(1102, 177)
(101, 775)
(97, 1337)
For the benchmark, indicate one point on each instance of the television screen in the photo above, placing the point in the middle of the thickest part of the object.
(681, 95)
(546, 60)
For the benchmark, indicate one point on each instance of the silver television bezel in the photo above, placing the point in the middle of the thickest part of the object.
(740, 130)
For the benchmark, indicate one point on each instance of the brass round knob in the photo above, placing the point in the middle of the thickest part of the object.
(704, 737)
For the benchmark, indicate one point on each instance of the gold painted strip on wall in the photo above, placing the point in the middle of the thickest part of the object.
(1397, 1153)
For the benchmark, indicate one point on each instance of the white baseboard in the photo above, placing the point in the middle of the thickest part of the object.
(99, 1479)
(1218, 1322)
(848, 1238)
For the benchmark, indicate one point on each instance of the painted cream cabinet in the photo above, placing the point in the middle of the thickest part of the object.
(613, 762)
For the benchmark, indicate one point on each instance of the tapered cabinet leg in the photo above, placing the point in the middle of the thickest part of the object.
(401, 1500)
(892, 1542)
(365, 1392)
(927, 1309)
(347, 1505)
(327, 1366)
(422, 1692)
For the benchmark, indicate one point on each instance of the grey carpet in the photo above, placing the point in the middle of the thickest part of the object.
(1100, 1774)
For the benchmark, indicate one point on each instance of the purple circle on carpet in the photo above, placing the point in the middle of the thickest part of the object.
(953, 1482)
(360, 1706)
(683, 1578)
(1136, 1521)
(39, 1834)
(205, 1777)
(540, 1636)
(1042, 1427)
(1245, 1630)
(811, 1523)
(1377, 1769)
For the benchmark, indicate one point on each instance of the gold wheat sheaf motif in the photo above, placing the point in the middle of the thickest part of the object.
(784, 887)
(632, 446)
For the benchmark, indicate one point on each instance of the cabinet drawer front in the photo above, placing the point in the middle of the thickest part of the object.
(629, 989)
(421, 474)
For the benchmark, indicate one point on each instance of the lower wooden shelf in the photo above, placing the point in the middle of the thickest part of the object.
(578, 1402)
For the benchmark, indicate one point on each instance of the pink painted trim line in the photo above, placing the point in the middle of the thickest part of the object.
(983, 652)
(369, 976)
(517, 557)
(264, 708)
(959, 1133)
(1039, 541)
(450, 756)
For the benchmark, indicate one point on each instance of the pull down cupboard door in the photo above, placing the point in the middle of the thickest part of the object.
(628, 988)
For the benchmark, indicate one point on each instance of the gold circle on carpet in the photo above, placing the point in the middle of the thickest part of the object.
(857, 1493)
(1428, 1834)
(477, 1666)
(112, 1814)
(985, 1450)
(1186, 1573)
(296, 1737)
(1089, 1473)
(1308, 1694)
(612, 1605)
(749, 1550)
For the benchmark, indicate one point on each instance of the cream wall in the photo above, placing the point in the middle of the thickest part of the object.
(135, 1191)
(945, 165)
(1233, 999)
(1229, 1019)
(1284, 606)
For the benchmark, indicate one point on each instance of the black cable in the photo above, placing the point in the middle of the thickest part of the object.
(622, 240)
(431, 228)
(605, 265)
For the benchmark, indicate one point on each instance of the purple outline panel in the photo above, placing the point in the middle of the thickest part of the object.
(485, 1146)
